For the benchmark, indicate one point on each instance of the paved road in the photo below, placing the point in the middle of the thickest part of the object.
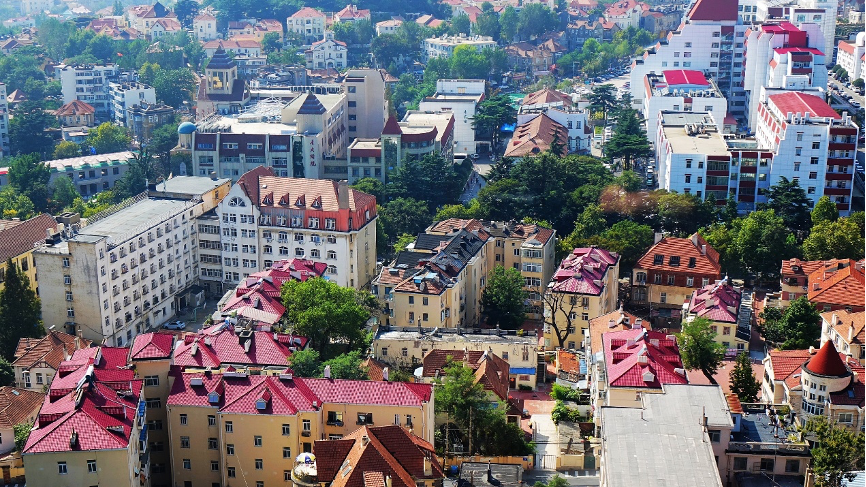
(845, 89)
(480, 168)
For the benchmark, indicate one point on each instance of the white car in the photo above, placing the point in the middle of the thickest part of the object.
(174, 325)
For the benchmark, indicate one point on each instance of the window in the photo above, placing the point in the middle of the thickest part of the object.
(259, 464)
(286, 430)
(767, 464)
(816, 145)
(257, 440)
(671, 280)
(305, 427)
(91, 466)
(287, 452)
(212, 444)
(740, 463)
(658, 259)
(663, 298)
(792, 466)
(715, 435)
(846, 418)
(230, 472)
(214, 466)
(287, 475)
(229, 427)
(187, 464)
(61, 468)
(184, 441)
(690, 281)
(211, 420)
(151, 380)
(230, 449)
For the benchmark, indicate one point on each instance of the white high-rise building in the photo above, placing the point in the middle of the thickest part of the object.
(850, 56)
(799, 12)
(90, 84)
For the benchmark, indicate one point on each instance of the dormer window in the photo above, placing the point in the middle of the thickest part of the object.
(658, 259)
(213, 398)
(692, 262)
(648, 376)
(674, 261)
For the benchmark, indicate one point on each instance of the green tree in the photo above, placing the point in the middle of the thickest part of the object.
(347, 366)
(404, 216)
(143, 169)
(730, 213)
(699, 349)
(630, 240)
(492, 113)
(508, 20)
(459, 211)
(603, 99)
(459, 25)
(327, 313)
(20, 311)
(306, 363)
(27, 129)
(798, 328)
(66, 149)
(743, 381)
(762, 239)
(63, 194)
(824, 211)
(29, 176)
(535, 19)
(271, 42)
(15, 205)
(7, 373)
(22, 433)
(555, 481)
(468, 63)
(629, 141)
(371, 186)
(789, 201)
(503, 299)
(723, 238)
(403, 241)
(109, 137)
(440, 178)
(840, 239)
(590, 223)
(837, 454)
(858, 83)
(186, 11)
(174, 86)
(162, 140)
(487, 24)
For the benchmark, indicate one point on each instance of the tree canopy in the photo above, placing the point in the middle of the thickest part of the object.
(837, 454)
(699, 349)
(743, 381)
(503, 299)
(20, 311)
(797, 327)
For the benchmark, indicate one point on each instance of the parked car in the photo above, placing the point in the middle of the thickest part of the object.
(175, 325)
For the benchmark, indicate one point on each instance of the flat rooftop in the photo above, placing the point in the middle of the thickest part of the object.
(235, 126)
(755, 427)
(191, 185)
(130, 218)
(419, 119)
(710, 143)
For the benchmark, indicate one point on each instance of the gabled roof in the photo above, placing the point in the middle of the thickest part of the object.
(803, 103)
(310, 105)
(847, 325)
(584, 271)
(204, 17)
(614, 321)
(786, 365)
(838, 282)
(796, 267)
(641, 358)
(308, 12)
(713, 10)
(75, 107)
(375, 369)
(546, 95)
(16, 96)
(719, 302)
(536, 136)
(20, 238)
(170, 25)
(827, 362)
(364, 457)
(686, 249)
(301, 193)
(18, 406)
(491, 371)
(392, 127)
(48, 351)
(351, 12)
(153, 345)
(220, 345)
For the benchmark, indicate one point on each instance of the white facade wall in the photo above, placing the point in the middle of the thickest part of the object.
(90, 84)
(851, 61)
(575, 122)
(125, 95)
(205, 29)
(444, 46)
(4, 123)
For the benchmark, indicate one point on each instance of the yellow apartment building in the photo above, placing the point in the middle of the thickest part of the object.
(584, 287)
(234, 428)
(721, 304)
(18, 239)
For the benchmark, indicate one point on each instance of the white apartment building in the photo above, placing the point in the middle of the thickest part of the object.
(390, 26)
(308, 23)
(682, 90)
(562, 110)
(460, 97)
(128, 269)
(783, 56)
(444, 46)
(366, 102)
(88, 83)
(5, 149)
(800, 12)
(125, 95)
(266, 218)
(850, 56)
(327, 53)
(205, 27)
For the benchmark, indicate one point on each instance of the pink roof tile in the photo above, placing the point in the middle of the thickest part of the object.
(151, 346)
(685, 77)
(716, 302)
(796, 102)
(633, 356)
(584, 271)
(220, 345)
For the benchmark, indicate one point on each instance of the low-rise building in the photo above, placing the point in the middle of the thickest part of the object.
(728, 313)
(143, 118)
(562, 110)
(626, 13)
(585, 285)
(236, 46)
(490, 370)
(668, 273)
(17, 406)
(406, 347)
(534, 60)
(204, 25)
(351, 13)
(634, 363)
(18, 239)
(838, 285)
(579, 31)
(444, 46)
(38, 359)
(125, 95)
(388, 27)
(460, 97)
(618, 320)
(537, 135)
(76, 114)
(255, 425)
(129, 268)
(308, 23)
(327, 53)
(143, 17)
(849, 55)
(846, 332)
(92, 173)
(795, 278)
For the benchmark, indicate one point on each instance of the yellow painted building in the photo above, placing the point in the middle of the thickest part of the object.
(233, 428)
(18, 239)
(584, 287)
(721, 304)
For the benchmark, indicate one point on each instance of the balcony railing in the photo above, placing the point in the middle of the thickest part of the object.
(761, 448)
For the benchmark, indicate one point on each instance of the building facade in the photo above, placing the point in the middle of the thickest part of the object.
(19, 239)
(846, 332)
(460, 97)
(308, 23)
(327, 53)
(729, 316)
(444, 46)
(125, 95)
(89, 83)
(850, 56)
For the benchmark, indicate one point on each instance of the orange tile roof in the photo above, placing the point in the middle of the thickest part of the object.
(839, 282)
(786, 365)
(846, 323)
(600, 325)
(48, 351)
(797, 267)
(567, 361)
(21, 238)
(536, 136)
(75, 107)
(686, 249)
(547, 95)
(18, 406)
(734, 403)
(375, 369)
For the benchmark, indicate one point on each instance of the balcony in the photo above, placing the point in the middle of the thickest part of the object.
(306, 433)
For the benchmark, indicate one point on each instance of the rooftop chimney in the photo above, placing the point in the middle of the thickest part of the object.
(343, 194)
(327, 373)
(851, 332)
(385, 374)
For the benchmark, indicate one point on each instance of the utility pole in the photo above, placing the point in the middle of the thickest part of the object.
(470, 431)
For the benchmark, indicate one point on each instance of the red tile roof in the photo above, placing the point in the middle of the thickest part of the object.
(351, 12)
(642, 359)
(855, 393)
(152, 346)
(786, 365)
(48, 351)
(802, 103)
(714, 10)
(846, 47)
(75, 107)
(308, 12)
(797, 267)
(615, 321)
(734, 403)
(847, 325)
(546, 95)
(827, 362)
(21, 238)
(18, 406)
(219, 345)
(392, 127)
(718, 302)
(375, 369)
(685, 77)
(685, 249)
(98, 416)
(536, 136)
(584, 271)
(377, 450)
(838, 282)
